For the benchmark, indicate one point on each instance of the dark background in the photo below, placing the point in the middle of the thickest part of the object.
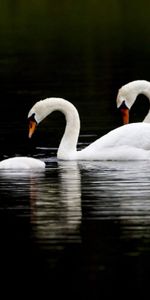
(81, 50)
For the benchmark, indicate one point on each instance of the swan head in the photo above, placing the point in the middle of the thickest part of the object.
(125, 99)
(41, 109)
(127, 95)
(37, 113)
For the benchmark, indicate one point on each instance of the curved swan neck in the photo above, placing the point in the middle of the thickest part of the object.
(142, 87)
(68, 144)
(69, 140)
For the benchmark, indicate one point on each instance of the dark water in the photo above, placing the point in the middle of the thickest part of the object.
(77, 230)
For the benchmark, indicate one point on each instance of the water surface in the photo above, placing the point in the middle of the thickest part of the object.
(81, 226)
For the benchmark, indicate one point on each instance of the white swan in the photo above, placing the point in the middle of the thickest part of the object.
(127, 95)
(131, 141)
(23, 163)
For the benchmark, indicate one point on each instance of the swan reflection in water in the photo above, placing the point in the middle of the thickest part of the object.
(57, 209)
(58, 197)
(54, 199)
(39, 213)
(119, 189)
(96, 214)
(108, 191)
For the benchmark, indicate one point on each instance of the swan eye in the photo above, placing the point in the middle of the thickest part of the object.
(123, 105)
(32, 118)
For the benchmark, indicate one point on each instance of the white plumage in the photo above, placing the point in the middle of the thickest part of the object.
(128, 142)
(129, 92)
(23, 162)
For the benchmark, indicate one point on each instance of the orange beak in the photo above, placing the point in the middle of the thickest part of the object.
(125, 115)
(124, 112)
(32, 127)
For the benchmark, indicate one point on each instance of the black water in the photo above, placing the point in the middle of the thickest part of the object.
(77, 230)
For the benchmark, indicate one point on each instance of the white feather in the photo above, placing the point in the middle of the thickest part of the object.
(128, 142)
(129, 92)
(22, 163)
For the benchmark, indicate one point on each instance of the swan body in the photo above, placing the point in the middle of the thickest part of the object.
(129, 142)
(127, 95)
(22, 163)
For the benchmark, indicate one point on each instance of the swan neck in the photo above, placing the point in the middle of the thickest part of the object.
(139, 87)
(145, 90)
(68, 145)
(143, 87)
(43, 108)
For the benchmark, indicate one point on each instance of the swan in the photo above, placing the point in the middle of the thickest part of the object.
(127, 95)
(23, 163)
(128, 142)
